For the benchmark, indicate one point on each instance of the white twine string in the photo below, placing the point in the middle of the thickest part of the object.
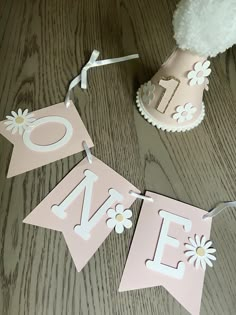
(82, 77)
(88, 152)
(136, 195)
(220, 207)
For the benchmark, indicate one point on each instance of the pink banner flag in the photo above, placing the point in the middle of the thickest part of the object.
(43, 136)
(170, 248)
(85, 206)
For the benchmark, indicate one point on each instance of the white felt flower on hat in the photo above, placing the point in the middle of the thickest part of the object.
(184, 113)
(119, 219)
(147, 94)
(19, 121)
(206, 85)
(200, 252)
(200, 72)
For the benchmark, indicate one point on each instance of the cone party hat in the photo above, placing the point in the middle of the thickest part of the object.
(173, 99)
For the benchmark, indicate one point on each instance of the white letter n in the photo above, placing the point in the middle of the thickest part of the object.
(86, 224)
(156, 264)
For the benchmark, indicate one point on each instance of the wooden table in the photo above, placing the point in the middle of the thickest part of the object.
(43, 46)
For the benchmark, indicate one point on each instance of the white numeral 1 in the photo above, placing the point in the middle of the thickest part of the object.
(164, 239)
(170, 86)
(86, 224)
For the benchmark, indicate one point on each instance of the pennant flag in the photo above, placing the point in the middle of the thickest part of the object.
(85, 206)
(43, 136)
(170, 248)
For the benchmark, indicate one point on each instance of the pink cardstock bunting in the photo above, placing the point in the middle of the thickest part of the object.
(187, 290)
(78, 207)
(61, 120)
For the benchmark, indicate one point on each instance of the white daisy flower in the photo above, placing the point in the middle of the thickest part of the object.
(200, 252)
(19, 121)
(206, 85)
(200, 72)
(119, 218)
(147, 92)
(184, 113)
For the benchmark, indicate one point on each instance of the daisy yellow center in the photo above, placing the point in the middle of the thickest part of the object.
(19, 120)
(200, 251)
(119, 217)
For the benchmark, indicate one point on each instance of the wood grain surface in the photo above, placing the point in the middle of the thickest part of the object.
(43, 44)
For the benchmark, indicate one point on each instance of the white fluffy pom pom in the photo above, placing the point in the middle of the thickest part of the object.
(205, 27)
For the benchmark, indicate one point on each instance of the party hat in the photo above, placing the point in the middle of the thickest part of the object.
(173, 99)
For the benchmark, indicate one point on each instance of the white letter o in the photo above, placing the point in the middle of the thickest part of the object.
(51, 147)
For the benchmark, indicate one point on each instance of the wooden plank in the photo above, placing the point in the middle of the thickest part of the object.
(43, 45)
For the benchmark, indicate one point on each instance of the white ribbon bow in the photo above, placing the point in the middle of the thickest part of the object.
(82, 77)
